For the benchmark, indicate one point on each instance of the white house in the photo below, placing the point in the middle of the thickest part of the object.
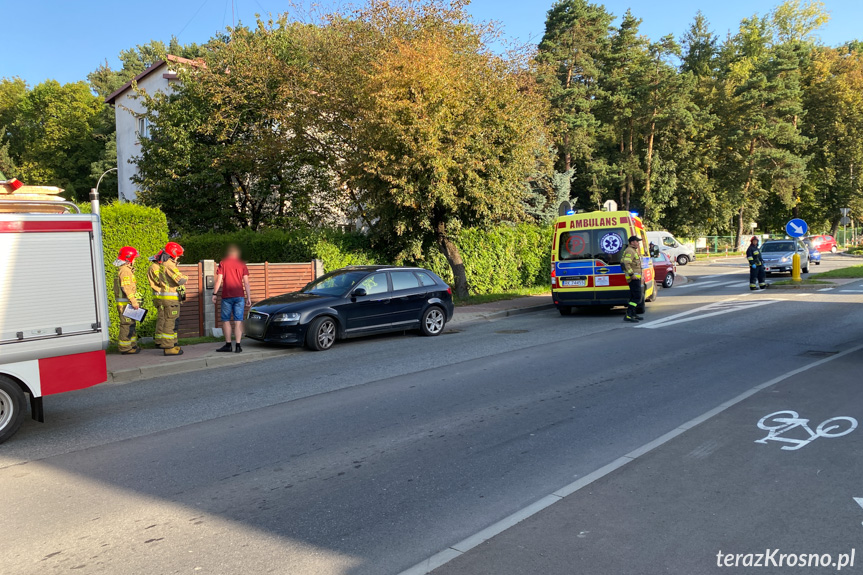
(129, 115)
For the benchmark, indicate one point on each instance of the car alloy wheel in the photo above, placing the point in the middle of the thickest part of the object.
(433, 321)
(669, 280)
(321, 334)
(326, 334)
(682, 259)
(833, 250)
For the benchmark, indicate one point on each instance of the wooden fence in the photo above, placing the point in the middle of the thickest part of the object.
(266, 280)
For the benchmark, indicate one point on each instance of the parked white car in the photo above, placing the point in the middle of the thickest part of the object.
(672, 247)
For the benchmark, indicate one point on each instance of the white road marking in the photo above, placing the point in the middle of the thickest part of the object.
(713, 309)
(697, 284)
(827, 289)
(859, 501)
(778, 423)
(450, 553)
(851, 291)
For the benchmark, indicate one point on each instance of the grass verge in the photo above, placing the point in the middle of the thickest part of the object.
(806, 282)
(849, 272)
(500, 296)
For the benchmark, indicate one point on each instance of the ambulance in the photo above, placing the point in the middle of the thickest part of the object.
(53, 303)
(586, 251)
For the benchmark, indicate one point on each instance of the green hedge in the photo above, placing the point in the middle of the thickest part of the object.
(499, 258)
(143, 228)
(336, 249)
(496, 259)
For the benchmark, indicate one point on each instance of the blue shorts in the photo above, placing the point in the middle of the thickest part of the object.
(235, 306)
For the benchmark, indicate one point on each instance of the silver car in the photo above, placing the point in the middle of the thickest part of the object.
(777, 256)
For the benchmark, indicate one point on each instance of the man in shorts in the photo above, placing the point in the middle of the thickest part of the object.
(232, 276)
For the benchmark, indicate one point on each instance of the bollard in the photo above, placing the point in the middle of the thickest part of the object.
(795, 267)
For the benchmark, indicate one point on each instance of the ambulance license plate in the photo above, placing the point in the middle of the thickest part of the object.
(573, 283)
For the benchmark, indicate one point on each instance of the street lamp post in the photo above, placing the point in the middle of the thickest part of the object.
(120, 198)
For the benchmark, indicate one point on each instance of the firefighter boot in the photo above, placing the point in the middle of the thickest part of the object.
(176, 350)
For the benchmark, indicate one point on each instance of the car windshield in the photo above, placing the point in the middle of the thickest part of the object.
(335, 283)
(778, 247)
(604, 244)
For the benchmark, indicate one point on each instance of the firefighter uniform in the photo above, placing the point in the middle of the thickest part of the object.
(631, 263)
(156, 278)
(757, 273)
(172, 295)
(126, 293)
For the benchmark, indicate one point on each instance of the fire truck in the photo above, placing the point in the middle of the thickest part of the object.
(53, 305)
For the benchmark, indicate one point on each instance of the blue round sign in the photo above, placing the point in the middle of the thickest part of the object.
(796, 228)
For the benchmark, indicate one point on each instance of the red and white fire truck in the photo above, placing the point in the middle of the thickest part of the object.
(53, 305)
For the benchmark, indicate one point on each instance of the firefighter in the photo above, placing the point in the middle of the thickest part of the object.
(631, 263)
(757, 273)
(126, 293)
(173, 294)
(155, 277)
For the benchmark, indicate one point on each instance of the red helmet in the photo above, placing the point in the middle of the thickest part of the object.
(127, 254)
(173, 249)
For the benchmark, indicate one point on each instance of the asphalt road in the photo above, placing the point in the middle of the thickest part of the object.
(381, 452)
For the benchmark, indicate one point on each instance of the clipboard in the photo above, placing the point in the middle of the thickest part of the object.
(135, 314)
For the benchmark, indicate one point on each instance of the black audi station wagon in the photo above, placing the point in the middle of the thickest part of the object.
(353, 302)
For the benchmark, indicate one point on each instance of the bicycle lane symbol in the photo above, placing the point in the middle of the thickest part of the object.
(782, 422)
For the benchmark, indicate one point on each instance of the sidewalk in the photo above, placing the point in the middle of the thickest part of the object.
(735, 483)
(152, 363)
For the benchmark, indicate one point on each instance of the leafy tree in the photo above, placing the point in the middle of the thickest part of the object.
(834, 104)
(229, 146)
(51, 137)
(442, 133)
(576, 37)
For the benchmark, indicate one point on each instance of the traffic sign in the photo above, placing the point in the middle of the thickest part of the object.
(796, 228)
(845, 211)
(845, 221)
(610, 206)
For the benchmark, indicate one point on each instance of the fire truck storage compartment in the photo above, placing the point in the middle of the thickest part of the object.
(48, 289)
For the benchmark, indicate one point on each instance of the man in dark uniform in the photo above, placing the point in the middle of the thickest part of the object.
(757, 272)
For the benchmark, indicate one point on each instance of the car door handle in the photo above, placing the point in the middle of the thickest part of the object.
(387, 300)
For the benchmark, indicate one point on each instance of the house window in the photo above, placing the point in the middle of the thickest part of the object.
(143, 127)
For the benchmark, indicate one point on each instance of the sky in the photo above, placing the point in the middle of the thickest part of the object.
(66, 39)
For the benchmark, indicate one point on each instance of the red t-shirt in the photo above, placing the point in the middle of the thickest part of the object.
(232, 271)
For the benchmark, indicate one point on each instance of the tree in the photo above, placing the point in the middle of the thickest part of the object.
(51, 138)
(228, 146)
(442, 133)
(834, 104)
(576, 37)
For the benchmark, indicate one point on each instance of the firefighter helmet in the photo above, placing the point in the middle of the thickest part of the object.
(174, 249)
(127, 254)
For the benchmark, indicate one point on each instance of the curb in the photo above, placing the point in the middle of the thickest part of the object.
(518, 311)
(121, 376)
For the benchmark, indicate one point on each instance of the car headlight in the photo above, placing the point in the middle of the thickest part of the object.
(286, 317)
(784, 259)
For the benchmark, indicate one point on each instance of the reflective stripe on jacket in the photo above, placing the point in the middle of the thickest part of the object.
(174, 278)
(125, 286)
(753, 254)
(631, 263)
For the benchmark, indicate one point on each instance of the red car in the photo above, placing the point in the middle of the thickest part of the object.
(824, 243)
(665, 270)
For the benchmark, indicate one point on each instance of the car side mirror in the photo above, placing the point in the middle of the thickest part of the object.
(359, 292)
